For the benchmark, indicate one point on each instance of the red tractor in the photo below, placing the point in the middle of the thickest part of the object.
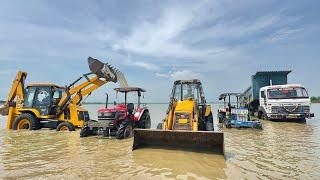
(119, 120)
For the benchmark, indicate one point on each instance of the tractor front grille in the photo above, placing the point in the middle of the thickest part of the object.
(106, 115)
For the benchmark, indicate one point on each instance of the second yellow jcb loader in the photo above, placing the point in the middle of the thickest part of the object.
(188, 124)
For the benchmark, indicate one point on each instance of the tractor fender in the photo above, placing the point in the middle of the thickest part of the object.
(138, 114)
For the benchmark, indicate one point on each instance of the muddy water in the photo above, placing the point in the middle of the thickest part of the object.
(281, 150)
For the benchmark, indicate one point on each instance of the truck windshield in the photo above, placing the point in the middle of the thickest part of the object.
(287, 93)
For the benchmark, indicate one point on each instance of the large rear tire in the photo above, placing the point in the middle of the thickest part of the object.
(26, 121)
(145, 121)
(125, 130)
(65, 126)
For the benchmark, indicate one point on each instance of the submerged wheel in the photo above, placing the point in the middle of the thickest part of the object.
(65, 126)
(85, 132)
(209, 123)
(159, 126)
(145, 121)
(227, 123)
(26, 121)
(125, 130)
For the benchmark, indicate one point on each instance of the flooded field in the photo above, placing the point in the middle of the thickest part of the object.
(280, 151)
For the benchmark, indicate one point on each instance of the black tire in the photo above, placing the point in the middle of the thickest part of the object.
(209, 123)
(227, 124)
(31, 122)
(145, 121)
(65, 126)
(125, 130)
(85, 132)
(260, 115)
(159, 126)
(264, 116)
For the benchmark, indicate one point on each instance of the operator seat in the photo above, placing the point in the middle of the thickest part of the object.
(130, 107)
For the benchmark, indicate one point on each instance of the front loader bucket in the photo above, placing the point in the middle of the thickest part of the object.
(193, 140)
(104, 70)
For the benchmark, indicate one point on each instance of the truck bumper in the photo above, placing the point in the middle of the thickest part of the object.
(289, 116)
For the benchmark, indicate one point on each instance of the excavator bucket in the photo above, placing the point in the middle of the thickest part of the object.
(193, 140)
(105, 70)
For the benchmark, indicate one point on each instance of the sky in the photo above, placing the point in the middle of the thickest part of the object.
(153, 43)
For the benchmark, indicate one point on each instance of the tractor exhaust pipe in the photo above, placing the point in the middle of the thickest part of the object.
(105, 70)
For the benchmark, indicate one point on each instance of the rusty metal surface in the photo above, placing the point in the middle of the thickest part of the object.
(179, 139)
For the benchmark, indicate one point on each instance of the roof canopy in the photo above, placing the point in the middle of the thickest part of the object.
(191, 81)
(222, 96)
(286, 72)
(129, 89)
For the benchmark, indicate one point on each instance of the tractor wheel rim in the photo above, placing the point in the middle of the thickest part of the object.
(64, 128)
(24, 124)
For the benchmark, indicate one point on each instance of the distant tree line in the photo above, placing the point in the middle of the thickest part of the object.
(315, 99)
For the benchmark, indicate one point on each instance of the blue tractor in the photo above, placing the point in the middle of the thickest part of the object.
(234, 114)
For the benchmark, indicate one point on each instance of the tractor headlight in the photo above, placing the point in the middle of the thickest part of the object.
(100, 113)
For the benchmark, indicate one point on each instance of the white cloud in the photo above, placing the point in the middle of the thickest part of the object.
(162, 75)
(180, 75)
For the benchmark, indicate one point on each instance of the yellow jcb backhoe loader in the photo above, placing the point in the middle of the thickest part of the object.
(46, 105)
(189, 122)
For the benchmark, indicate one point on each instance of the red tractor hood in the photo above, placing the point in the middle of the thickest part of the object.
(119, 107)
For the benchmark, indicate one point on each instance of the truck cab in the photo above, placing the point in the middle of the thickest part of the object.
(284, 102)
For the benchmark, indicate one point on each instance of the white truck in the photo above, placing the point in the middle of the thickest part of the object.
(284, 102)
(271, 97)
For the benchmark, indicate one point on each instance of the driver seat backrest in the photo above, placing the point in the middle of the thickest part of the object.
(130, 107)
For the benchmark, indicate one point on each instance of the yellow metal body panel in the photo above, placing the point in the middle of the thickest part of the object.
(208, 110)
(185, 106)
(11, 117)
(183, 121)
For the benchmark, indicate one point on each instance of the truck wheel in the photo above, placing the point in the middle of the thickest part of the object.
(125, 130)
(145, 121)
(85, 132)
(264, 116)
(65, 126)
(26, 121)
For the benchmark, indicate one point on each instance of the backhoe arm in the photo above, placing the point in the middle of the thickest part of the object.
(103, 73)
(17, 90)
